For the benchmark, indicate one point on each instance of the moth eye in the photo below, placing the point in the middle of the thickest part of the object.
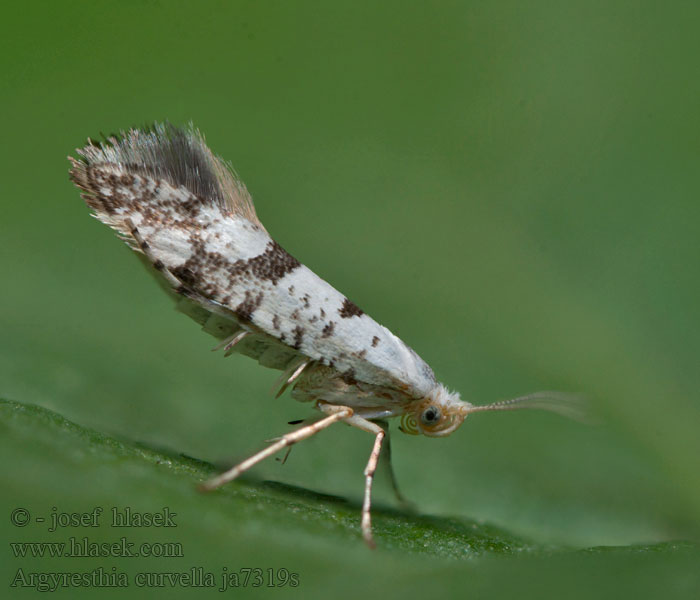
(430, 416)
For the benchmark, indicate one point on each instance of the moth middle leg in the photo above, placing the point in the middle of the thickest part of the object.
(335, 414)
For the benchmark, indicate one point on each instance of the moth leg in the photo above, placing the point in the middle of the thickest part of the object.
(290, 375)
(370, 469)
(386, 460)
(230, 342)
(335, 414)
(285, 457)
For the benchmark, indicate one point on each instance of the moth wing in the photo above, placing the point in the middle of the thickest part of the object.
(171, 199)
(223, 324)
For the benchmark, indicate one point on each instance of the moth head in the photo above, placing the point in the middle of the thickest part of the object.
(442, 411)
(436, 415)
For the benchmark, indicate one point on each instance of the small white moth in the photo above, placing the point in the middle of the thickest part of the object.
(193, 223)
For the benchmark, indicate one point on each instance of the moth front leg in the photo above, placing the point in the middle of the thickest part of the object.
(370, 469)
(386, 459)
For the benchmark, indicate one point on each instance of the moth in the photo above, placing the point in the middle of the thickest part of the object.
(192, 222)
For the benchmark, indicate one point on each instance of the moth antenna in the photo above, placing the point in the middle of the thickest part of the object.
(573, 406)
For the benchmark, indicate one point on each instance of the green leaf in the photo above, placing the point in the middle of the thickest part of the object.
(75, 469)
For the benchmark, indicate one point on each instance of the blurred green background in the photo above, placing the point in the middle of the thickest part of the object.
(509, 187)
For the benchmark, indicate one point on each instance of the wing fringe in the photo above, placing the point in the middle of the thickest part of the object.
(177, 155)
